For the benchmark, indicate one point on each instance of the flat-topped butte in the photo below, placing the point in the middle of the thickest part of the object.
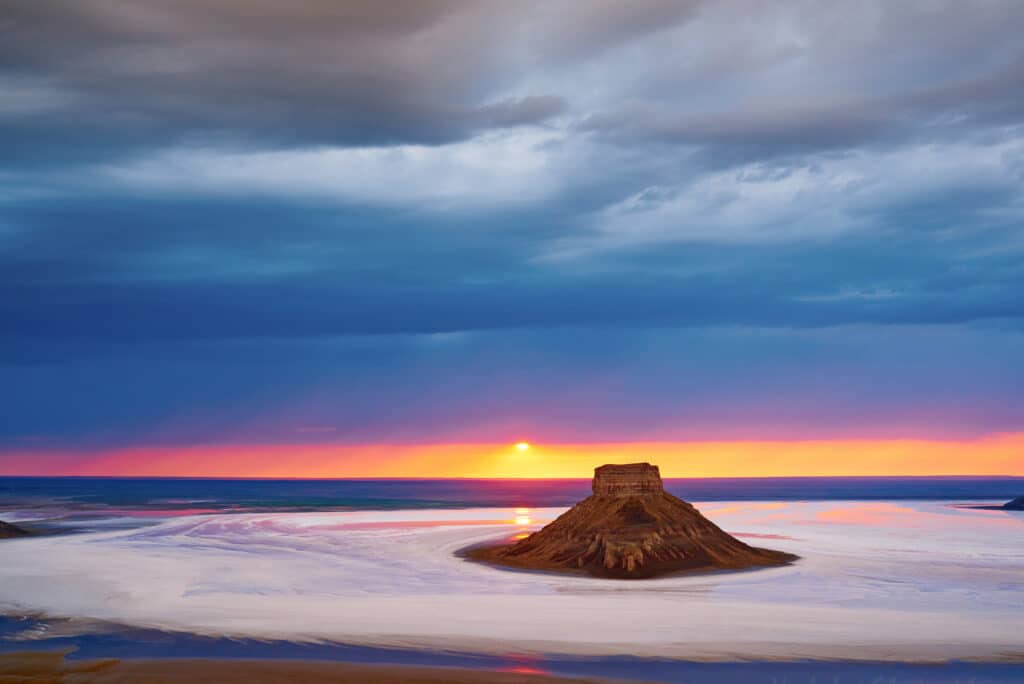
(630, 527)
(627, 480)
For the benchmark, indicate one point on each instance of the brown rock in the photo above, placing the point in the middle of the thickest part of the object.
(630, 528)
(9, 531)
(627, 480)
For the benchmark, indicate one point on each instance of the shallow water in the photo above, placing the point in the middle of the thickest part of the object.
(889, 580)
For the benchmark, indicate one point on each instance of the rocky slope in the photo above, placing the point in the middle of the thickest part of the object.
(630, 528)
(9, 531)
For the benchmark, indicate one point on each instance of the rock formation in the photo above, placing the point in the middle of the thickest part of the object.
(630, 528)
(9, 531)
(1015, 505)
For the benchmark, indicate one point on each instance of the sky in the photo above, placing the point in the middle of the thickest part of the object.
(324, 238)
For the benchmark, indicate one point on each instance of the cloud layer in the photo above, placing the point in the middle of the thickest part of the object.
(353, 179)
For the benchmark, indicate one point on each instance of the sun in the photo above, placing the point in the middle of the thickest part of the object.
(523, 446)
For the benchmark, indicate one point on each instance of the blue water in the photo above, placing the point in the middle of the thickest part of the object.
(306, 495)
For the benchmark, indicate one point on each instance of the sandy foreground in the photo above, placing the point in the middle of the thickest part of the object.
(53, 668)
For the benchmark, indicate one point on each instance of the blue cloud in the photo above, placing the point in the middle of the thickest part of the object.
(456, 220)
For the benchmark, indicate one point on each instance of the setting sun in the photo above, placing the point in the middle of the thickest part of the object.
(523, 446)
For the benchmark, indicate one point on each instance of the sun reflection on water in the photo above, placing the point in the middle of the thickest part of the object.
(523, 516)
(521, 519)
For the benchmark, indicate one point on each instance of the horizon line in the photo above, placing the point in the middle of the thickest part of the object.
(981, 476)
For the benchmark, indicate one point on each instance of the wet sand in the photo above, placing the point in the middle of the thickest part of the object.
(53, 668)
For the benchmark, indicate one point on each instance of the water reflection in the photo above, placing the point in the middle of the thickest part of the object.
(522, 520)
(522, 517)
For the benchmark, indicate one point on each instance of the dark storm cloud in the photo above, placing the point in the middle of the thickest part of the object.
(132, 75)
(129, 75)
(124, 76)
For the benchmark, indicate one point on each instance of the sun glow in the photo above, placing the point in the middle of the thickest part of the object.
(997, 454)
(523, 446)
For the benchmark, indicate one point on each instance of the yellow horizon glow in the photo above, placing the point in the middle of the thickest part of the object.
(998, 454)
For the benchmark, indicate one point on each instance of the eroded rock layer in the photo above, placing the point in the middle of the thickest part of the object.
(631, 528)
